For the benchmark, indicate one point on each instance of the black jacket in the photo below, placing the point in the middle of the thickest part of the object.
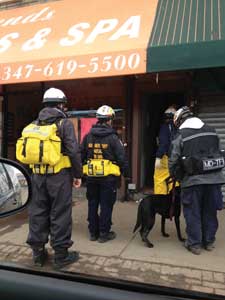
(166, 135)
(194, 142)
(113, 150)
(66, 132)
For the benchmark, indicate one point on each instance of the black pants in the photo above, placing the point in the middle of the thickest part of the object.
(50, 210)
(200, 205)
(101, 194)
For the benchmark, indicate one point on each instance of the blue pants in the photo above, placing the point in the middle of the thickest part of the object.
(200, 205)
(100, 194)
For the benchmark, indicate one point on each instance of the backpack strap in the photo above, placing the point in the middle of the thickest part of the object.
(59, 123)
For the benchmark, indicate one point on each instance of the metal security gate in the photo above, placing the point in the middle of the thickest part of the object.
(211, 109)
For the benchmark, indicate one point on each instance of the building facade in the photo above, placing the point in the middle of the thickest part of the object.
(138, 61)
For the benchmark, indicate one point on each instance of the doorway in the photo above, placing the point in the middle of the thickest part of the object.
(152, 109)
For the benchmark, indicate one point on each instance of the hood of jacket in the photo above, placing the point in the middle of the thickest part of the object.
(194, 123)
(102, 130)
(50, 114)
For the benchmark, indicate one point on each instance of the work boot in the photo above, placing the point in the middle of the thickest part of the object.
(193, 249)
(209, 246)
(105, 237)
(64, 258)
(93, 237)
(40, 255)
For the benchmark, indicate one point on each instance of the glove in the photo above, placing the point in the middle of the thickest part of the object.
(157, 163)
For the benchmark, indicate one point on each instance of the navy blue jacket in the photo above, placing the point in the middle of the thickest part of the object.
(106, 135)
(166, 134)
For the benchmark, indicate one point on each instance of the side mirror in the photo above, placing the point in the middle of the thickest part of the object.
(15, 187)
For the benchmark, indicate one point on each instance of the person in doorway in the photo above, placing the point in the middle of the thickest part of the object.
(104, 159)
(197, 162)
(50, 211)
(166, 134)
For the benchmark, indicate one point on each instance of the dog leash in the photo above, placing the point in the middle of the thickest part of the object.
(171, 212)
(173, 192)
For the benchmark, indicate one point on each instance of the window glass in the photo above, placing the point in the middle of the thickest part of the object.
(4, 186)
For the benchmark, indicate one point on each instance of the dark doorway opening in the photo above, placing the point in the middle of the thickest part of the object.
(152, 109)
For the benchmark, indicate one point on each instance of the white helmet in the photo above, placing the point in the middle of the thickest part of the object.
(181, 115)
(54, 95)
(105, 112)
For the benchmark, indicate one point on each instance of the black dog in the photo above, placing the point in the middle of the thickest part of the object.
(167, 206)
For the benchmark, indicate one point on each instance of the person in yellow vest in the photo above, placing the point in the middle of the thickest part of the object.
(166, 134)
(50, 210)
(104, 159)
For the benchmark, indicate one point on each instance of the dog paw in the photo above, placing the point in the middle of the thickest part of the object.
(165, 234)
(182, 239)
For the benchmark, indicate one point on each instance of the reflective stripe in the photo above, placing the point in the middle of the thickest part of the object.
(198, 135)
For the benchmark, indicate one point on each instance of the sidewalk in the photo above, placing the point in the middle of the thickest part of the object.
(126, 257)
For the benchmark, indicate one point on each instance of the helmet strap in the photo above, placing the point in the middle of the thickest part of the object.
(61, 106)
(105, 121)
(109, 122)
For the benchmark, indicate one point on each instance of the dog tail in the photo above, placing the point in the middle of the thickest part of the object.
(138, 223)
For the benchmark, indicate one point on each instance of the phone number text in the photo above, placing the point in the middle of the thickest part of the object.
(69, 67)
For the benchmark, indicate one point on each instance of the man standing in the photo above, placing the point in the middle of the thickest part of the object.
(166, 134)
(197, 162)
(104, 157)
(50, 211)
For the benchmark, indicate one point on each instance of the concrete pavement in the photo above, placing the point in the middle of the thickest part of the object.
(126, 257)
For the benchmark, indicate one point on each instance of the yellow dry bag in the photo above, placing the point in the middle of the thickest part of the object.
(100, 168)
(39, 144)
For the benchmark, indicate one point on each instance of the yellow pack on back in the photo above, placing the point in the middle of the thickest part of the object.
(39, 144)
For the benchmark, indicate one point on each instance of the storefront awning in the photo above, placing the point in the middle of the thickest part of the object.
(70, 39)
(187, 34)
